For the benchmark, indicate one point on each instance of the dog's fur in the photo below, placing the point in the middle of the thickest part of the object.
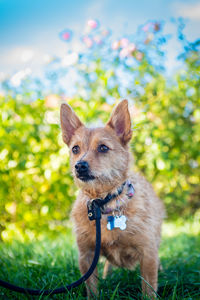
(139, 242)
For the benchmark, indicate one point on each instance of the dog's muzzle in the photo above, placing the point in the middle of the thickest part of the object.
(82, 170)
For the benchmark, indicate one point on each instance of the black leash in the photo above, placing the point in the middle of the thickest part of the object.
(94, 213)
(95, 208)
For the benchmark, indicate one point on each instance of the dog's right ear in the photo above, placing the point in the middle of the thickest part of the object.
(69, 122)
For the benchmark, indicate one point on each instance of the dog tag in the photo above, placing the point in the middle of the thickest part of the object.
(116, 222)
(120, 222)
(110, 224)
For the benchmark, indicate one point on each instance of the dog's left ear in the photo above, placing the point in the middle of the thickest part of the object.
(120, 121)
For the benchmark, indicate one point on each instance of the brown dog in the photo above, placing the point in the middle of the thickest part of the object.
(100, 162)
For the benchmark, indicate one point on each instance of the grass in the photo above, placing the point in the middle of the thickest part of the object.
(51, 263)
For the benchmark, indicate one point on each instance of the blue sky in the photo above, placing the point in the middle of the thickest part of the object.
(33, 26)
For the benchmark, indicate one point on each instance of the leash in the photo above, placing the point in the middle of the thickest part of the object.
(94, 213)
(95, 209)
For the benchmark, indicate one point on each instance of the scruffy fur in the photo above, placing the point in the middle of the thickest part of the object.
(139, 242)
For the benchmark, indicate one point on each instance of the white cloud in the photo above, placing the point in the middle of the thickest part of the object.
(17, 78)
(69, 59)
(27, 55)
(18, 58)
(17, 54)
(191, 11)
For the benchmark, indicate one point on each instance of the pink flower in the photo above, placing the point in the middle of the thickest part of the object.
(66, 35)
(131, 47)
(149, 38)
(52, 101)
(92, 24)
(146, 27)
(127, 51)
(105, 32)
(87, 41)
(124, 42)
(115, 45)
(139, 56)
(124, 53)
(97, 40)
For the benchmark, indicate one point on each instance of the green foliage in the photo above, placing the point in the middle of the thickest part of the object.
(167, 141)
(36, 186)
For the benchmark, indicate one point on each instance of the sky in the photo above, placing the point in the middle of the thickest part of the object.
(29, 30)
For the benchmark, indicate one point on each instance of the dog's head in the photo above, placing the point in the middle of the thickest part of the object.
(99, 156)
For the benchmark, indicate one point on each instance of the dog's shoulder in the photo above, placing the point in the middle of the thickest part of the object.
(84, 229)
(145, 200)
(79, 208)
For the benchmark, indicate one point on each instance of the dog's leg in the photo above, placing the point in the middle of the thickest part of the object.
(160, 267)
(149, 271)
(85, 261)
(107, 269)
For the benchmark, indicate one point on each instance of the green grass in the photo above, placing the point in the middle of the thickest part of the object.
(51, 263)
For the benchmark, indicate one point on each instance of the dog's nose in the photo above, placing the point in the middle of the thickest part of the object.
(82, 166)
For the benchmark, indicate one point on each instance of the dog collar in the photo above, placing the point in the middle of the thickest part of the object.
(102, 202)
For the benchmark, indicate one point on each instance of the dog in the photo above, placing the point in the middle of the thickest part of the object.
(131, 221)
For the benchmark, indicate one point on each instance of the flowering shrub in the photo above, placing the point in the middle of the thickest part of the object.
(36, 186)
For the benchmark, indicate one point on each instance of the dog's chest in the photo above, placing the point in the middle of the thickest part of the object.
(116, 247)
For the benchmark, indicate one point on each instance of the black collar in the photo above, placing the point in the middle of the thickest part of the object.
(110, 197)
(101, 202)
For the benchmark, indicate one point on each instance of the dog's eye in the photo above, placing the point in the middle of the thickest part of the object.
(102, 148)
(76, 149)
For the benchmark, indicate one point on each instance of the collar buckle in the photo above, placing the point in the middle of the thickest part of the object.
(94, 211)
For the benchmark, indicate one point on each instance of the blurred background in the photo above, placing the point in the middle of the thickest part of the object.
(92, 54)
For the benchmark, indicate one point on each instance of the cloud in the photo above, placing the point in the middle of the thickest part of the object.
(19, 58)
(191, 11)
(23, 57)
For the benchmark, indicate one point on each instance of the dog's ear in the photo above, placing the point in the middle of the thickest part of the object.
(120, 121)
(69, 122)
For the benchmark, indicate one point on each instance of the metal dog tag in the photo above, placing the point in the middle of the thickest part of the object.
(116, 222)
(110, 224)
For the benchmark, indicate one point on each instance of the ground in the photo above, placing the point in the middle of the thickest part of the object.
(54, 262)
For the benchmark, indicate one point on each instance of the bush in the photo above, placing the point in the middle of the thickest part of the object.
(36, 186)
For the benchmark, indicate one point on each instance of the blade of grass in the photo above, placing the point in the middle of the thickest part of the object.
(149, 285)
(115, 291)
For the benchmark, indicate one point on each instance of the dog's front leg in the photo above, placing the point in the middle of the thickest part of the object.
(85, 261)
(107, 269)
(149, 271)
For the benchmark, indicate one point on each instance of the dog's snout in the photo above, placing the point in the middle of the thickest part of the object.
(82, 166)
(83, 171)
